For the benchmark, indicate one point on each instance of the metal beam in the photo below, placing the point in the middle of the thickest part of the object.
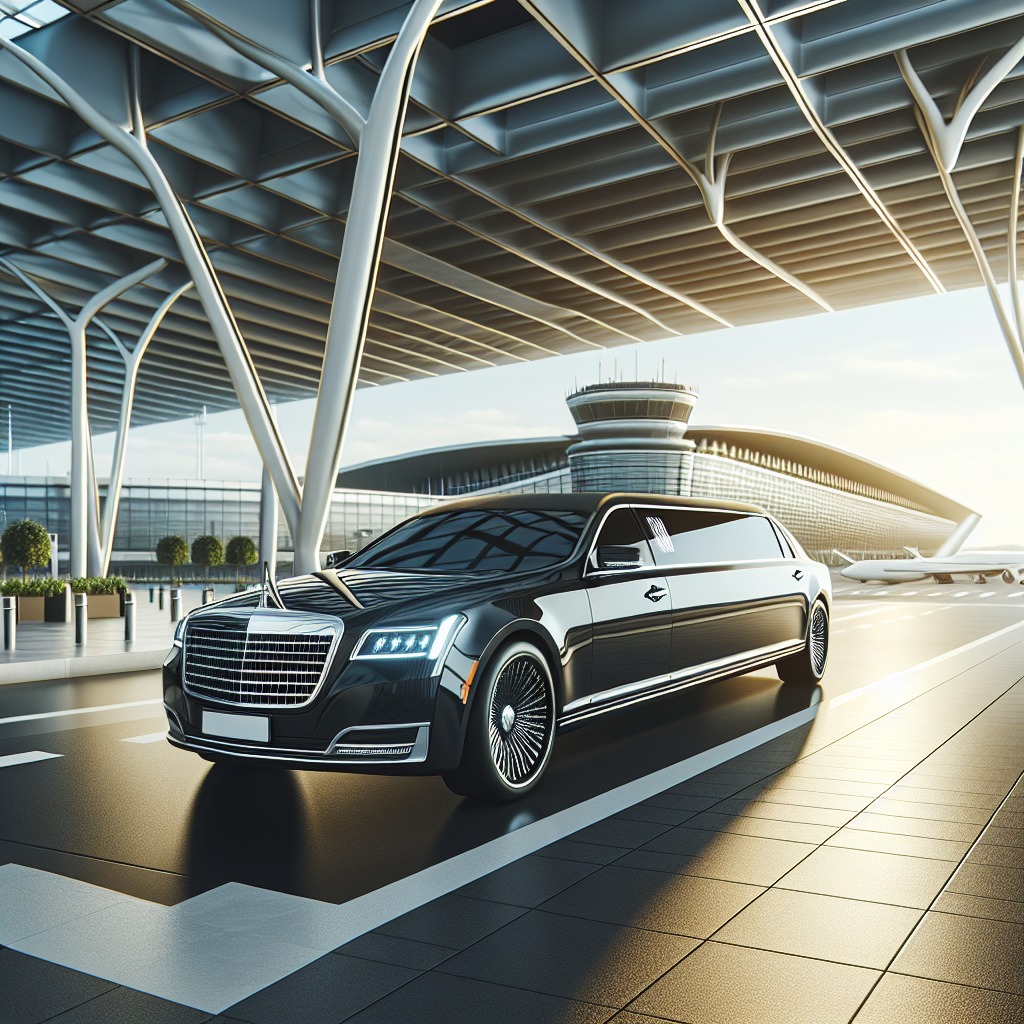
(810, 110)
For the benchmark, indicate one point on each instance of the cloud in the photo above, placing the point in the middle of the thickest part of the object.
(782, 380)
(902, 369)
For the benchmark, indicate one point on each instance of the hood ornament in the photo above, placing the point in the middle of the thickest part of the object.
(270, 597)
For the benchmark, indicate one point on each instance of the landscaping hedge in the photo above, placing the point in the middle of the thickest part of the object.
(44, 587)
(97, 584)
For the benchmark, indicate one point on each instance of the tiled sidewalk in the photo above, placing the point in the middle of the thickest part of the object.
(877, 878)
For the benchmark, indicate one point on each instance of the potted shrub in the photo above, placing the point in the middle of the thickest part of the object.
(207, 551)
(172, 551)
(25, 544)
(57, 604)
(240, 552)
(35, 597)
(104, 595)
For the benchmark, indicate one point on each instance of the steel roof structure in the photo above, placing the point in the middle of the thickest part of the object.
(573, 174)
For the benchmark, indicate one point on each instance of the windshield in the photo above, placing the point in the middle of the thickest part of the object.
(477, 540)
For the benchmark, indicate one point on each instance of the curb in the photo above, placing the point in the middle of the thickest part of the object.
(74, 668)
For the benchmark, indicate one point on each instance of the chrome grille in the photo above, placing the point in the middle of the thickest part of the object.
(226, 662)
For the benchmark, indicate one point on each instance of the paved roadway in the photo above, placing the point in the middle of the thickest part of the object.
(122, 809)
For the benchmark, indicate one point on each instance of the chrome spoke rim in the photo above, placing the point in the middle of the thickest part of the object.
(517, 751)
(819, 640)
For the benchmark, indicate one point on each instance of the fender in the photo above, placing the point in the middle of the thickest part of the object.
(543, 641)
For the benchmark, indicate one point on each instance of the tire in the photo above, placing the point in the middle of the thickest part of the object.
(511, 728)
(807, 667)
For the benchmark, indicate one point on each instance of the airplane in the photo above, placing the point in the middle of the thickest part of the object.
(946, 563)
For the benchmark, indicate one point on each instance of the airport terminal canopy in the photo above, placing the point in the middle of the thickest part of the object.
(573, 174)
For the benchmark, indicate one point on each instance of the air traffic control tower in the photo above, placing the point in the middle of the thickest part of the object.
(632, 438)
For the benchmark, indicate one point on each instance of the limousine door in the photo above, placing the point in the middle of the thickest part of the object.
(732, 590)
(631, 609)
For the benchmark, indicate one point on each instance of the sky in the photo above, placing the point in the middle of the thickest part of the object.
(923, 385)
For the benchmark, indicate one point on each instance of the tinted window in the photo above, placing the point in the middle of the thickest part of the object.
(476, 540)
(680, 536)
(622, 539)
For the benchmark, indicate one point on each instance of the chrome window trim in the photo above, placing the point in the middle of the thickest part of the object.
(656, 686)
(589, 572)
(736, 563)
(267, 618)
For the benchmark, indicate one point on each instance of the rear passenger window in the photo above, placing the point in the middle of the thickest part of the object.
(682, 536)
(621, 543)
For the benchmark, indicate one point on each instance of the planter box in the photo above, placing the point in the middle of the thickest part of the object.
(104, 606)
(31, 609)
(60, 608)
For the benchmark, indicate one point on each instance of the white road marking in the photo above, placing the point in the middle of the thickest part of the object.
(899, 676)
(8, 760)
(859, 615)
(279, 933)
(79, 711)
(152, 737)
(961, 593)
(241, 938)
(991, 593)
(1018, 594)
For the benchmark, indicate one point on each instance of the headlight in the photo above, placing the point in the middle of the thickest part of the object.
(179, 630)
(430, 642)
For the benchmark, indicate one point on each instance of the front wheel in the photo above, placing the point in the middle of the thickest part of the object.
(808, 666)
(511, 728)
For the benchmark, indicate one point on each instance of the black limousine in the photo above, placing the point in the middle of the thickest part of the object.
(460, 642)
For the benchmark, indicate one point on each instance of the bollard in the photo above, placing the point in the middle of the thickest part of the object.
(175, 603)
(129, 617)
(161, 597)
(207, 595)
(81, 618)
(150, 595)
(10, 622)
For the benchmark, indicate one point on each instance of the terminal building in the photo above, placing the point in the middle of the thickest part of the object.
(631, 437)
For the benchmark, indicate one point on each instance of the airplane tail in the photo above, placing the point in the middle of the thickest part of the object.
(846, 558)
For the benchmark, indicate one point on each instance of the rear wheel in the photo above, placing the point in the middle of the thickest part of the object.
(511, 728)
(808, 666)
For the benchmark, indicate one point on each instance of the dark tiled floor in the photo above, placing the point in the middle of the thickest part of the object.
(878, 879)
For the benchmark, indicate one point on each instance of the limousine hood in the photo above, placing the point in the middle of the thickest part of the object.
(349, 592)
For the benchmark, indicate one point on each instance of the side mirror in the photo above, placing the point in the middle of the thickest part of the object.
(618, 556)
(336, 558)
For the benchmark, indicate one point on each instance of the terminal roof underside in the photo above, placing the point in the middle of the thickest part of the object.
(541, 204)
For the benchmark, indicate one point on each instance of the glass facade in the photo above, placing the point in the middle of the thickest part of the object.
(647, 471)
(151, 509)
(823, 513)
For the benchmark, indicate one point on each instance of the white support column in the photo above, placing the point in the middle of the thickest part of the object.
(268, 524)
(94, 556)
(76, 328)
(241, 369)
(357, 275)
(944, 141)
(132, 361)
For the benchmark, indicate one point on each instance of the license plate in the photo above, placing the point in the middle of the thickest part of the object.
(237, 727)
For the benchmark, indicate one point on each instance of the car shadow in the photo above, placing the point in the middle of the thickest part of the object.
(248, 824)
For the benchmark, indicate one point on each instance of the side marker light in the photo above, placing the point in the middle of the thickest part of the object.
(469, 681)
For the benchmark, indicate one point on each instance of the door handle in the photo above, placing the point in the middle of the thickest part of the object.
(798, 575)
(655, 593)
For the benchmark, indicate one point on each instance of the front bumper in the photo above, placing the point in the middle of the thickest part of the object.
(369, 717)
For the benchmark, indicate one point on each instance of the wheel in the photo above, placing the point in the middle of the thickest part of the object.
(808, 666)
(511, 728)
